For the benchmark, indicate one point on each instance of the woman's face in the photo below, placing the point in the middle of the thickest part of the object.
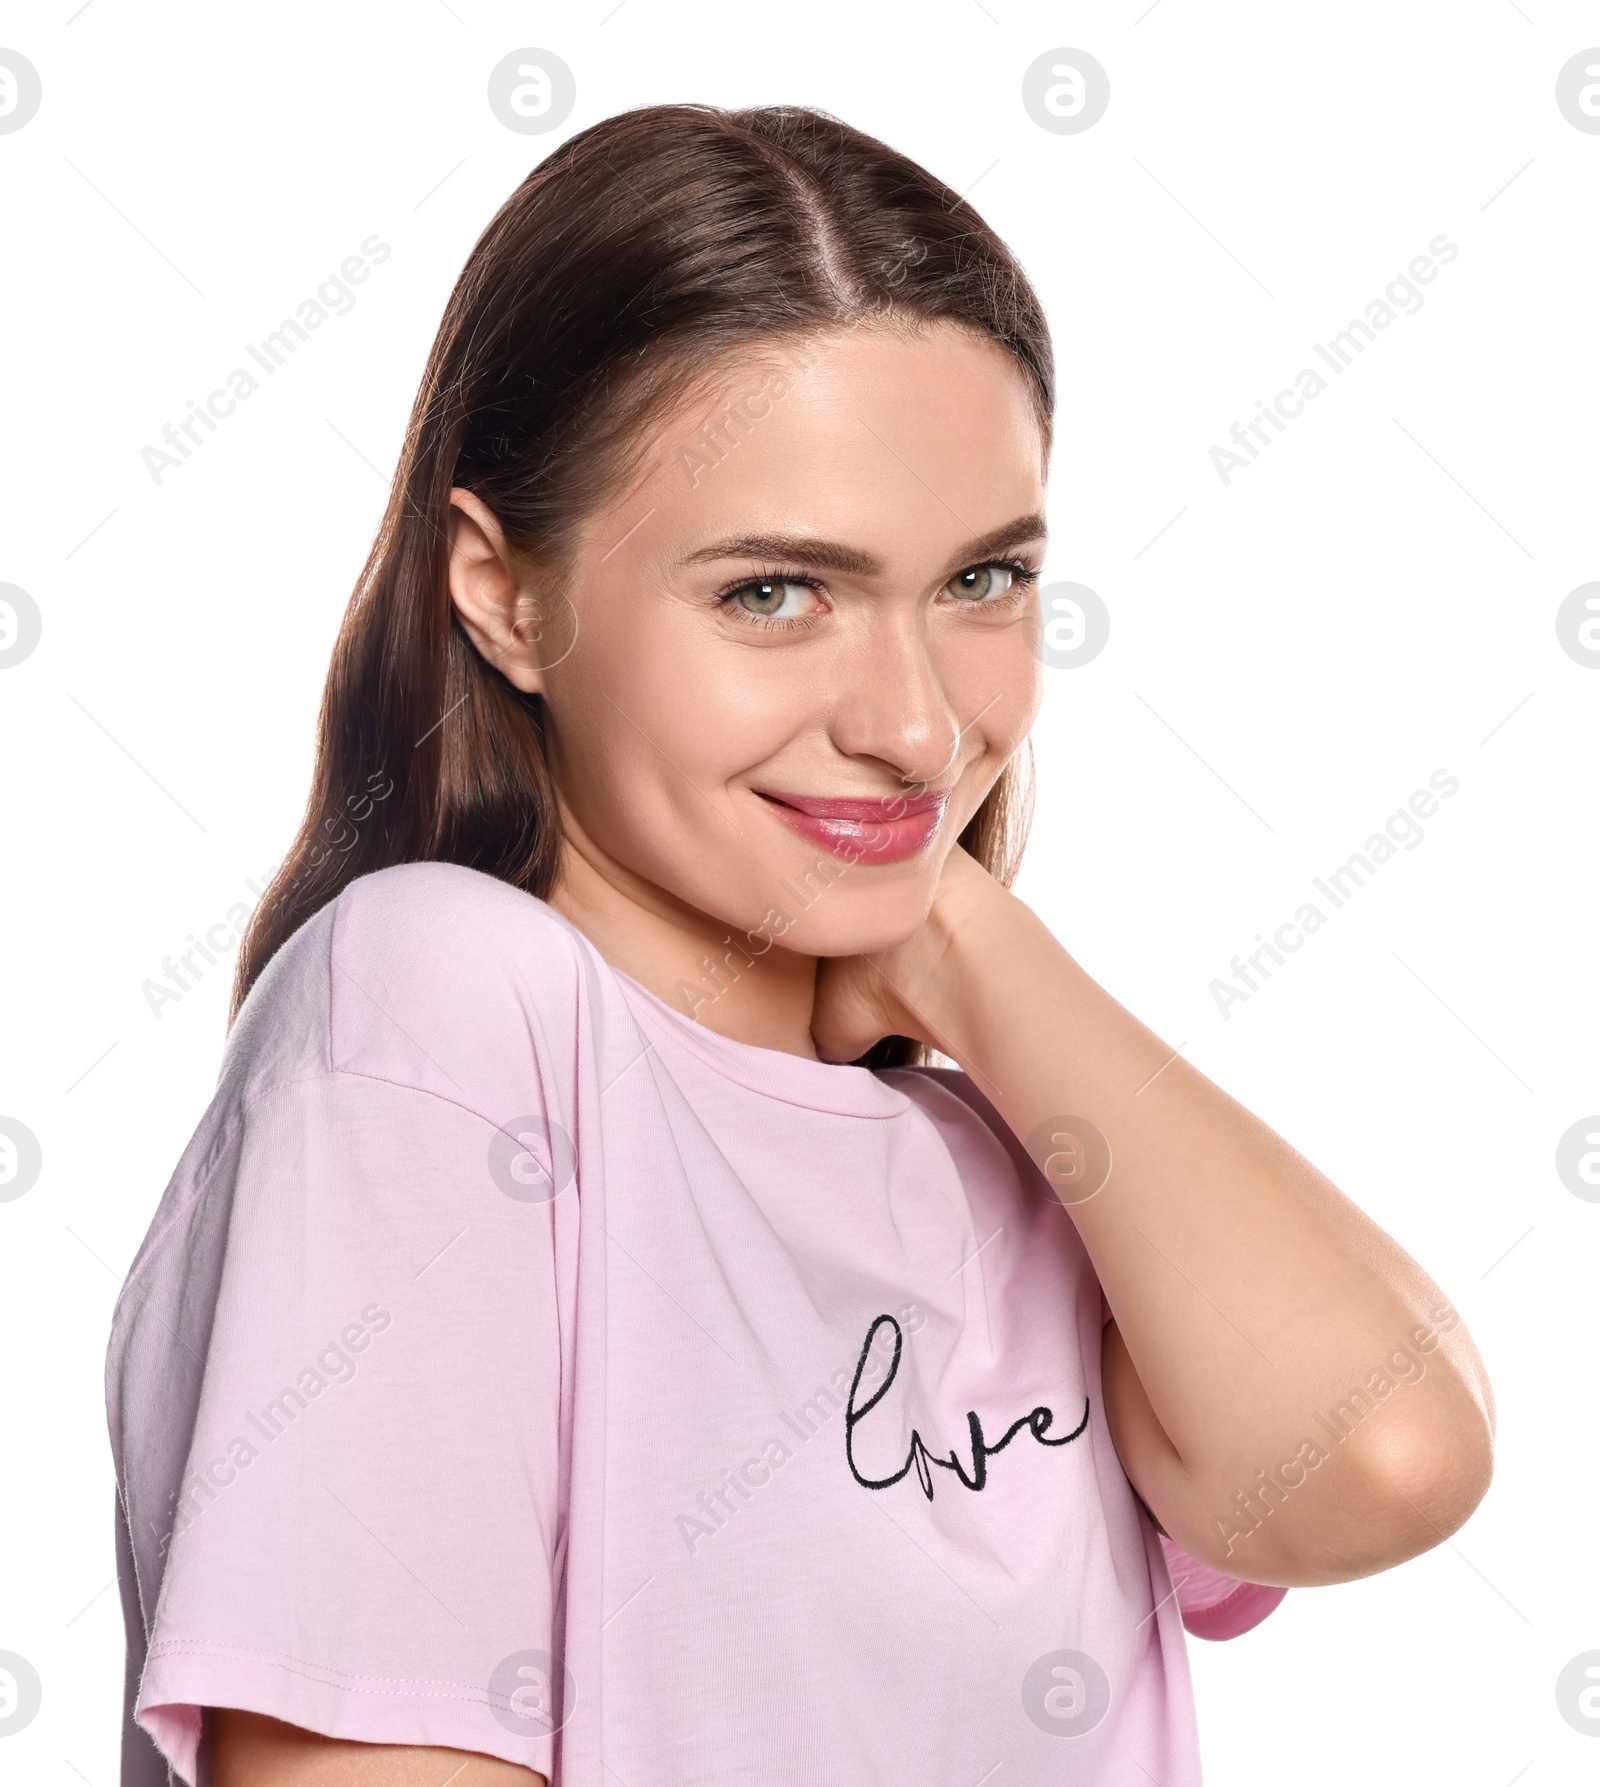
(804, 638)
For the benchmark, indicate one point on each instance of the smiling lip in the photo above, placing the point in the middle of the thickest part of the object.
(887, 829)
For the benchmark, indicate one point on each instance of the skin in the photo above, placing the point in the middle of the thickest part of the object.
(1249, 1294)
(248, 1750)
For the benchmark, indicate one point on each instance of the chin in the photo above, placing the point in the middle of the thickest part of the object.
(858, 921)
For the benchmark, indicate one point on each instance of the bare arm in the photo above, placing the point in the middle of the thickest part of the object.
(1252, 1300)
(249, 1750)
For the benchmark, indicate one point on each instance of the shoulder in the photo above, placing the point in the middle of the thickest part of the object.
(433, 896)
(972, 1128)
(426, 1003)
(420, 974)
(429, 921)
(984, 1147)
(438, 974)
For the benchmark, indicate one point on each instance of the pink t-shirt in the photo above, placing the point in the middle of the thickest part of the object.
(514, 1364)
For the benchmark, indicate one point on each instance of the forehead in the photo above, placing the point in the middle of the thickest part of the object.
(902, 441)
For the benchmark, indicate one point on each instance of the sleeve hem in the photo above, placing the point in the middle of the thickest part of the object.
(1213, 1605)
(184, 1676)
(1245, 1608)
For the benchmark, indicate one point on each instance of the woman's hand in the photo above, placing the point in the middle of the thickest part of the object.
(861, 999)
(1289, 1392)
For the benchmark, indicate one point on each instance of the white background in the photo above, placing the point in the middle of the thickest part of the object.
(1293, 656)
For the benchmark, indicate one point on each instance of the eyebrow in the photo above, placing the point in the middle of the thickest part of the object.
(830, 555)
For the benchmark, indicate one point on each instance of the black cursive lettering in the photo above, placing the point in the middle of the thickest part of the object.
(1038, 1421)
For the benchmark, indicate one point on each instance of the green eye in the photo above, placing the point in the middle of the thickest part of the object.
(981, 584)
(774, 598)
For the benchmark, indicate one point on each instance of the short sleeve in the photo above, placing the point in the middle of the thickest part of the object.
(1213, 1605)
(336, 1388)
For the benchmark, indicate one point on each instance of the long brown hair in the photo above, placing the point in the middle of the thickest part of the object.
(643, 251)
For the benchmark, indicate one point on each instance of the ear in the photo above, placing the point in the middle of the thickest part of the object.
(498, 599)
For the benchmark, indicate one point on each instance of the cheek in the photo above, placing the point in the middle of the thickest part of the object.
(1028, 699)
(685, 707)
(995, 685)
(651, 723)
(622, 753)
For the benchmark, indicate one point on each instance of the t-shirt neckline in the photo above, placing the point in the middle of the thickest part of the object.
(839, 1088)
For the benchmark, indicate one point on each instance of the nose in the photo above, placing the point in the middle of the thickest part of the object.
(892, 705)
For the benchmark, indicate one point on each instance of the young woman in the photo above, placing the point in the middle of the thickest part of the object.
(581, 1340)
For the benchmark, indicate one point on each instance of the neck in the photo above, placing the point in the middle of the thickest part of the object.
(684, 956)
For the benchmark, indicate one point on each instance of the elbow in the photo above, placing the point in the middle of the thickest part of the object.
(1408, 1491)
(1440, 1474)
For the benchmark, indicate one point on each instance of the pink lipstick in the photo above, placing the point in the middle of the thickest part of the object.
(884, 829)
